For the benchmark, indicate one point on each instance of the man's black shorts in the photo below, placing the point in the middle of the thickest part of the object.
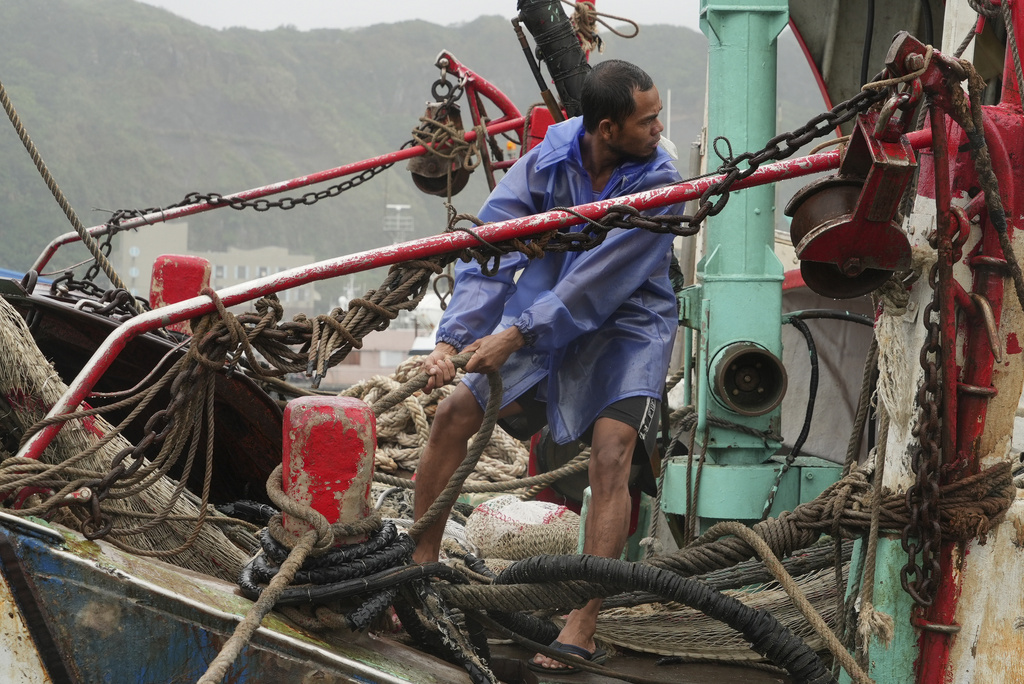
(640, 413)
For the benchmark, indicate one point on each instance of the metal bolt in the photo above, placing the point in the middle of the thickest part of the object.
(852, 267)
(914, 61)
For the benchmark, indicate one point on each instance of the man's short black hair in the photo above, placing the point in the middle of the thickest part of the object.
(608, 92)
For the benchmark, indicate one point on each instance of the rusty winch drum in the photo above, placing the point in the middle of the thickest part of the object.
(845, 227)
(819, 211)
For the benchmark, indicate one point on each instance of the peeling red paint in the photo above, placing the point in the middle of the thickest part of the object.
(1012, 344)
(20, 399)
(328, 457)
(89, 423)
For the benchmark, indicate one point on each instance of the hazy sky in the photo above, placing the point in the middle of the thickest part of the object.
(307, 14)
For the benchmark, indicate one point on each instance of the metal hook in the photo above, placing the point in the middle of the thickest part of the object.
(990, 324)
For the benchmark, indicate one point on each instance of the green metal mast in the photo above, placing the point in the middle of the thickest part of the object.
(737, 303)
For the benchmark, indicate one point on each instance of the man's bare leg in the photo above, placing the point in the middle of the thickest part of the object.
(607, 525)
(457, 419)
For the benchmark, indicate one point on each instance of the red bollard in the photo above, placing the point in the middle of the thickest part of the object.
(328, 459)
(177, 277)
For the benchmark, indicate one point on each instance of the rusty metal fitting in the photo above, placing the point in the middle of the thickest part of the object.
(914, 61)
(989, 319)
(927, 626)
(986, 392)
(997, 263)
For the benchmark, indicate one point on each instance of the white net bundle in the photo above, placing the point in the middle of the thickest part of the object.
(508, 528)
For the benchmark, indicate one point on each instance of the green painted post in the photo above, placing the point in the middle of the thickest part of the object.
(739, 295)
(741, 276)
(890, 663)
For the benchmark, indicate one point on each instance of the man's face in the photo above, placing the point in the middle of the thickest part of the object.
(638, 136)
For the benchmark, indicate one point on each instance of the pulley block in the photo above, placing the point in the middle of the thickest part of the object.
(430, 171)
(844, 227)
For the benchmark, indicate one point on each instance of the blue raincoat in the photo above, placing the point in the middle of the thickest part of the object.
(599, 324)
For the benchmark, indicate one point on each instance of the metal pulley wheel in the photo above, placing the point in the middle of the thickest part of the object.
(438, 185)
(838, 257)
(430, 171)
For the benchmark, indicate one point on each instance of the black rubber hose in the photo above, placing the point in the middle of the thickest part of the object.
(748, 573)
(294, 596)
(360, 618)
(532, 627)
(250, 511)
(810, 314)
(812, 389)
(478, 566)
(559, 47)
(765, 634)
(869, 33)
(383, 538)
(263, 570)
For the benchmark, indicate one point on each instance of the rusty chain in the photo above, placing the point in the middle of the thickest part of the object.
(214, 343)
(817, 127)
(922, 536)
(617, 216)
(127, 462)
(94, 270)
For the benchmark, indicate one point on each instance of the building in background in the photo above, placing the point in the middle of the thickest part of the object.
(138, 250)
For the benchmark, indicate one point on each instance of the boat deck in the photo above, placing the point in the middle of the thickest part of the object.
(642, 665)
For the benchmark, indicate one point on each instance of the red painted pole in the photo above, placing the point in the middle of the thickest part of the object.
(328, 459)
(934, 645)
(972, 384)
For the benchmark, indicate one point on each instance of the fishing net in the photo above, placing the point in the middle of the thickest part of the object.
(29, 386)
(670, 629)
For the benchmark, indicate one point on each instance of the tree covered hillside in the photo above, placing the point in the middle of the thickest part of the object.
(131, 106)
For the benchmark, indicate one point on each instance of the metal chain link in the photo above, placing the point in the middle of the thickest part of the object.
(817, 127)
(923, 534)
(617, 216)
(94, 270)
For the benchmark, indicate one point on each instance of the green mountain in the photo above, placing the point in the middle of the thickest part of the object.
(131, 106)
